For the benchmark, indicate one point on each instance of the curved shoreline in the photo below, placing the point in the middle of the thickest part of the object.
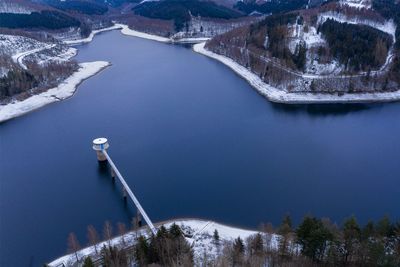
(68, 87)
(130, 32)
(91, 35)
(125, 30)
(279, 96)
(63, 91)
(198, 232)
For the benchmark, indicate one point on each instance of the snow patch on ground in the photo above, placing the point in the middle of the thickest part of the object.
(65, 54)
(312, 39)
(14, 8)
(314, 67)
(3, 71)
(191, 40)
(359, 4)
(281, 96)
(198, 233)
(64, 90)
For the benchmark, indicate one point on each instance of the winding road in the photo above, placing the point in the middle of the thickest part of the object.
(19, 57)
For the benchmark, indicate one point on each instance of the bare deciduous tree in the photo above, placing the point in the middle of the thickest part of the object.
(73, 245)
(93, 237)
(122, 232)
(107, 232)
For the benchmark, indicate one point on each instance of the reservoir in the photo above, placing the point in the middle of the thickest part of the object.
(192, 139)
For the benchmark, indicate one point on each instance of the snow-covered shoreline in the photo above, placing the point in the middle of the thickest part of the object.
(86, 70)
(198, 232)
(279, 96)
(63, 91)
(129, 32)
(91, 36)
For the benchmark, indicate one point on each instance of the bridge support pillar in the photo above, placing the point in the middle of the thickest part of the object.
(112, 174)
(124, 193)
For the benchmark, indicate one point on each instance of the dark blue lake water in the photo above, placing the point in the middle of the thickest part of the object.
(193, 140)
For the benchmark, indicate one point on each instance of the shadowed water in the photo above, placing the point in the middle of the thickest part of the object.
(192, 139)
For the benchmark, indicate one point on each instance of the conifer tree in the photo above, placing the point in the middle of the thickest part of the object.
(285, 230)
(88, 262)
(216, 236)
(351, 236)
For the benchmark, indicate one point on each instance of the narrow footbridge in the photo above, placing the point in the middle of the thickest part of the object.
(100, 145)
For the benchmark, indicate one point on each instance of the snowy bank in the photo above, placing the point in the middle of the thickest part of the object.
(280, 96)
(91, 36)
(64, 90)
(199, 233)
(130, 32)
(127, 31)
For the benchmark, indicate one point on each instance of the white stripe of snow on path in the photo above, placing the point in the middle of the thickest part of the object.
(19, 57)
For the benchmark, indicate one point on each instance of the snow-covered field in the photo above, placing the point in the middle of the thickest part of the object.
(282, 96)
(65, 90)
(199, 233)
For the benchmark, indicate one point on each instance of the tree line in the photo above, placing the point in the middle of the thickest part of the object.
(84, 7)
(180, 11)
(45, 19)
(314, 242)
(317, 242)
(274, 6)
